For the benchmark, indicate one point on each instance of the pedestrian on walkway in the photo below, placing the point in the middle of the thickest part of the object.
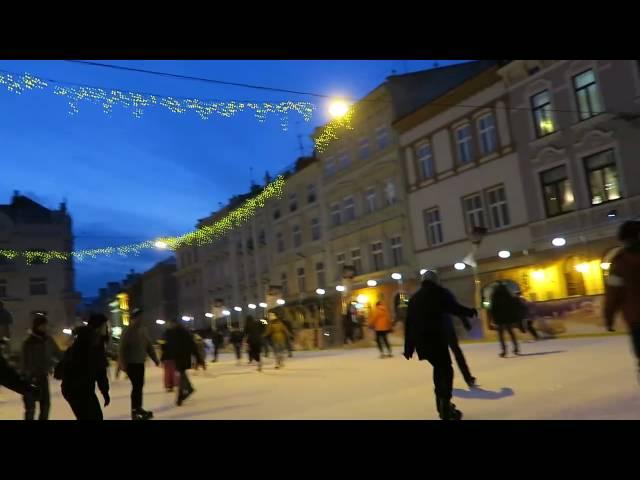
(236, 338)
(182, 348)
(507, 312)
(380, 321)
(623, 285)
(253, 331)
(217, 341)
(84, 365)
(135, 346)
(278, 332)
(39, 354)
(169, 366)
(426, 333)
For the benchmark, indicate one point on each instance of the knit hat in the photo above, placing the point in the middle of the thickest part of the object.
(431, 276)
(39, 319)
(96, 320)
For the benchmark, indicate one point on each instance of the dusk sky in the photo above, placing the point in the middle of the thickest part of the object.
(127, 179)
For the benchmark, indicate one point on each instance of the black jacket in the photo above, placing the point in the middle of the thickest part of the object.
(10, 378)
(428, 319)
(180, 347)
(254, 331)
(85, 362)
(39, 354)
(506, 308)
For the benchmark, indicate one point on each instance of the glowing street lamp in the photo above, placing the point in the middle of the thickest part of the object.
(504, 253)
(67, 331)
(161, 245)
(320, 291)
(340, 288)
(280, 301)
(371, 283)
(237, 309)
(160, 322)
(208, 315)
(252, 306)
(262, 305)
(396, 276)
(338, 108)
(226, 313)
(423, 271)
(186, 318)
(459, 266)
(559, 242)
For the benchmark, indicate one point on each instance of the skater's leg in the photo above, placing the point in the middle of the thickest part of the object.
(379, 341)
(385, 339)
(461, 361)
(135, 371)
(532, 329)
(513, 339)
(501, 338)
(29, 400)
(45, 398)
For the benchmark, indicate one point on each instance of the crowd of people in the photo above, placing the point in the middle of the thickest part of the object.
(429, 333)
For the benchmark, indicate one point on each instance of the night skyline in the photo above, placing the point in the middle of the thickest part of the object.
(126, 179)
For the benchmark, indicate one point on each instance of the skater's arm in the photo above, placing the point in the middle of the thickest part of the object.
(151, 351)
(409, 346)
(614, 294)
(453, 307)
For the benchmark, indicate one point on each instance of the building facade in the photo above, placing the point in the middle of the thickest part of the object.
(43, 287)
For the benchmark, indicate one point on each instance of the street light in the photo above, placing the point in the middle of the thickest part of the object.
(459, 266)
(226, 313)
(237, 309)
(67, 331)
(504, 253)
(340, 288)
(160, 322)
(396, 276)
(186, 318)
(423, 271)
(338, 108)
(371, 283)
(161, 245)
(320, 291)
(262, 305)
(280, 301)
(559, 242)
(208, 315)
(252, 306)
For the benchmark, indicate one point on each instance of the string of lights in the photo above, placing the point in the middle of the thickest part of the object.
(202, 236)
(138, 102)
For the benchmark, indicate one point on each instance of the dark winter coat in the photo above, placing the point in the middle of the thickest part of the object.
(10, 378)
(623, 287)
(85, 362)
(39, 355)
(236, 336)
(506, 308)
(180, 347)
(135, 345)
(428, 319)
(254, 330)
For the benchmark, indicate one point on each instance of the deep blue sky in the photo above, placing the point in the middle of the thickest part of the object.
(128, 179)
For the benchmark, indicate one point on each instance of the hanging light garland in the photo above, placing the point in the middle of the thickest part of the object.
(200, 237)
(138, 102)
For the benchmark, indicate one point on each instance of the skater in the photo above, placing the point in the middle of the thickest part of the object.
(278, 332)
(381, 322)
(39, 354)
(135, 345)
(236, 337)
(348, 325)
(181, 348)
(623, 285)
(426, 333)
(254, 331)
(6, 320)
(169, 367)
(290, 337)
(454, 345)
(202, 352)
(84, 365)
(528, 318)
(506, 311)
(217, 341)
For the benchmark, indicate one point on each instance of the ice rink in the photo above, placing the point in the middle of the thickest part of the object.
(583, 378)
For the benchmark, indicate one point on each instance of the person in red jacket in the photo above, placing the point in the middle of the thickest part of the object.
(622, 292)
(381, 322)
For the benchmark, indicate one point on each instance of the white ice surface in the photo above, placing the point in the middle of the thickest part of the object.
(587, 378)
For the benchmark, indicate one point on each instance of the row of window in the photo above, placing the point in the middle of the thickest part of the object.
(343, 160)
(587, 99)
(345, 212)
(293, 201)
(465, 151)
(602, 180)
(487, 209)
(37, 286)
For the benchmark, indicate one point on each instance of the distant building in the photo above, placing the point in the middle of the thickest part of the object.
(25, 225)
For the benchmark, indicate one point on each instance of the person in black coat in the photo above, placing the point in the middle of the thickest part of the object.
(253, 331)
(39, 353)
(181, 347)
(236, 337)
(506, 311)
(11, 379)
(458, 354)
(427, 333)
(83, 366)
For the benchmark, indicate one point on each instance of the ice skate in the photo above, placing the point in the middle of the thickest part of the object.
(471, 382)
(141, 414)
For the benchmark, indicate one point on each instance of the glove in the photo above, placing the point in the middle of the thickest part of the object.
(107, 399)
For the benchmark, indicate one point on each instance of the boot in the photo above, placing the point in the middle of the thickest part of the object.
(471, 382)
(503, 354)
(140, 414)
(448, 410)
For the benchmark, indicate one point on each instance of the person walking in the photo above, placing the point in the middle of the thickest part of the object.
(135, 346)
(39, 354)
(278, 332)
(381, 322)
(168, 366)
(236, 338)
(182, 348)
(6, 320)
(622, 293)
(253, 331)
(84, 365)
(426, 333)
(217, 341)
(506, 312)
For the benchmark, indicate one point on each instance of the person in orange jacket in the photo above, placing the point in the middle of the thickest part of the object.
(381, 322)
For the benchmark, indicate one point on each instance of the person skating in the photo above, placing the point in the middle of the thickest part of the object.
(168, 366)
(278, 332)
(426, 333)
(454, 345)
(236, 337)
(254, 331)
(202, 352)
(135, 346)
(6, 320)
(181, 348)
(290, 337)
(217, 341)
(380, 321)
(84, 365)
(506, 312)
(622, 292)
(39, 354)
(528, 319)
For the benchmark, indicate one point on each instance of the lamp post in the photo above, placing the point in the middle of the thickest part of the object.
(476, 236)
(321, 319)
